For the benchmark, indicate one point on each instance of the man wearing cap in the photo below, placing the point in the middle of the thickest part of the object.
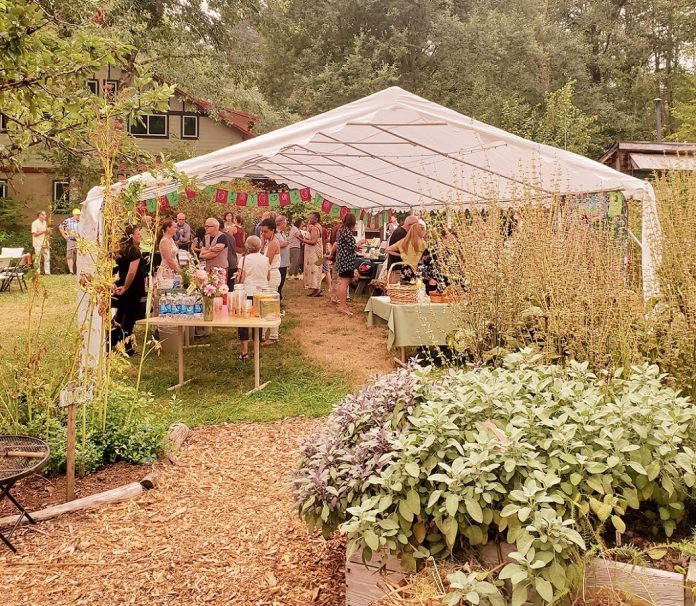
(399, 234)
(70, 230)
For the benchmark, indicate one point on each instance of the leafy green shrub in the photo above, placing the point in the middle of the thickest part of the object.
(131, 433)
(530, 452)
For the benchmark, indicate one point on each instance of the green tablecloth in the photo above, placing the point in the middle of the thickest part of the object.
(425, 324)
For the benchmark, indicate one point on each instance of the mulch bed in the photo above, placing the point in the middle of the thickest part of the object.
(221, 529)
(37, 492)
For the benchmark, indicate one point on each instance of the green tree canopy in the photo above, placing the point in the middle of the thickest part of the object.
(44, 62)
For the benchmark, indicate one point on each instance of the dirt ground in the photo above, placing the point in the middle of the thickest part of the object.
(221, 529)
(337, 341)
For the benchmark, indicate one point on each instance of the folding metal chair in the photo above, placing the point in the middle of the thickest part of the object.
(20, 272)
(20, 456)
(5, 274)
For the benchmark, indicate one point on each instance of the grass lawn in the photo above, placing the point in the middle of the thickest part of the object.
(299, 386)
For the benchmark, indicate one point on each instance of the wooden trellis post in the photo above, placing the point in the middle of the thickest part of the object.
(69, 398)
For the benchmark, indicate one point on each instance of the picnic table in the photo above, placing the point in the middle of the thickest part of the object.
(412, 325)
(255, 324)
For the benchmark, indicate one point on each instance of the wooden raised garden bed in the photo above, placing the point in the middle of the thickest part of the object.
(365, 585)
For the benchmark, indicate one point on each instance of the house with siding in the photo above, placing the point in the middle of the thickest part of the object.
(199, 124)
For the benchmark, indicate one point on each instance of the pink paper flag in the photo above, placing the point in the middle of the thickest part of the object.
(190, 193)
(241, 198)
(326, 206)
(221, 196)
(305, 194)
(263, 198)
(285, 198)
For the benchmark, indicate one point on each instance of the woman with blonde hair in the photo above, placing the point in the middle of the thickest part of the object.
(411, 248)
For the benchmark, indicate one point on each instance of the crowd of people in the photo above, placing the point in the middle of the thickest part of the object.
(262, 258)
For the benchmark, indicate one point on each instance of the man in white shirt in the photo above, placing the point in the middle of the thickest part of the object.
(39, 239)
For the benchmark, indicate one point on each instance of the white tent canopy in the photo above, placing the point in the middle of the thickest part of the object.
(396, 150)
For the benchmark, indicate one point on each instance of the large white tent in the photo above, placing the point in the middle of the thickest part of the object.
(396, 150)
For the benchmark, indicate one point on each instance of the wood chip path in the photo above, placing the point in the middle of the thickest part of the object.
(221, 529)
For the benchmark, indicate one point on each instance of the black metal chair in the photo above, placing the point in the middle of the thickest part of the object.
(20, 456)
(14, 270)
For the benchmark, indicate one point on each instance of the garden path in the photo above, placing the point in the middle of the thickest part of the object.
(335, 341)
(221, 529)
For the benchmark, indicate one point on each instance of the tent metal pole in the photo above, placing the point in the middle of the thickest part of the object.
(470, 150)
(399, 124)
(464, 162)
(377, 178)
(283, 168)
(450, 185)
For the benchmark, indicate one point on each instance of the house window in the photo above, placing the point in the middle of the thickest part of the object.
(153, 125)
(189, 127)
(110, 88)
(93, 86)
(3, 189)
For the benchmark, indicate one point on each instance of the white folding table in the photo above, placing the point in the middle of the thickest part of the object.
(256, 325)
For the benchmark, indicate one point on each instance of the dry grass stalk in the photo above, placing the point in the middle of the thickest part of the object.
(556, 280)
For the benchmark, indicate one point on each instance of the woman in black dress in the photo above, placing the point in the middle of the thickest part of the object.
(344, 251)
(129, 288)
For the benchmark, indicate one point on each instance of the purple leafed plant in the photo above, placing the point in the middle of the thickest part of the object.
(355, 446)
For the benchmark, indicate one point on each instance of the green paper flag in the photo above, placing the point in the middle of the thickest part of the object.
(151, 205)
(274, 199)
(385, 217)
(252, 199)
(335, 211)
(615, 204)
(318, 199)
(295, 196)
(232, 197)
(173, 199)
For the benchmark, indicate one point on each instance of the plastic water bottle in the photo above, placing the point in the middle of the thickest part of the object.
(190, 305)
(180, 307)
(422, 296)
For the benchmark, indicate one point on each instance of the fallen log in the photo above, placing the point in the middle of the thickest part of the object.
(177, 435)
(115, 495)
(150, 481)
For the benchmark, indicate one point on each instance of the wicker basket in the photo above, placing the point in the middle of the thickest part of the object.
(401, 294)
